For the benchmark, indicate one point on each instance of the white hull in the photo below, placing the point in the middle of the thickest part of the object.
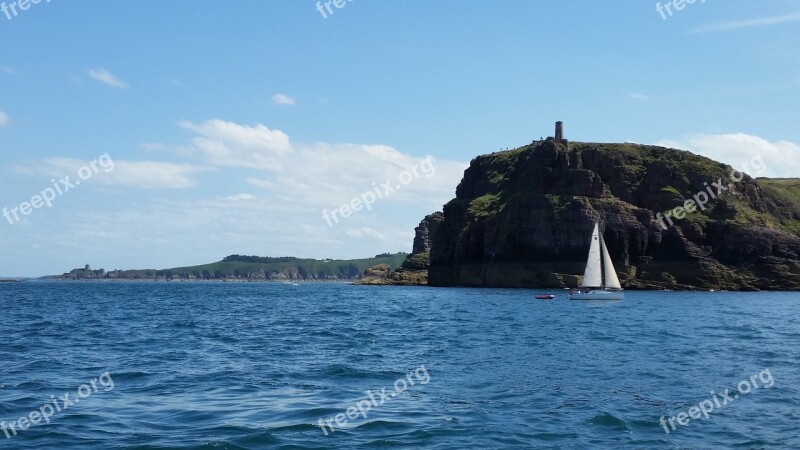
(597, 295)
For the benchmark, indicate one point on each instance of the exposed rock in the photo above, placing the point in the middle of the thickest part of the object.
(422, 238)
(414, 270)
(379, 272)
(523, 218)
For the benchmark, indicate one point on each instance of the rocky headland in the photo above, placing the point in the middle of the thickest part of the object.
(523, 218)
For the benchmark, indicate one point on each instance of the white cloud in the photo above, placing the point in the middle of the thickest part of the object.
(639, 97)
(229, 144)
(4, 120)
(780, 159)
(365, 232)
(259, 182)
(322, 174)
(283, 99)
(240, 198)
(137, 174)
(738, 24)
(106, 77)
(8, 70)
(154, 175)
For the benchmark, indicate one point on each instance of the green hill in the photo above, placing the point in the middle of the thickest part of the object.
(253, 268)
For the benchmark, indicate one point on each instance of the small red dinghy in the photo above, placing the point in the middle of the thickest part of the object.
(545, 297)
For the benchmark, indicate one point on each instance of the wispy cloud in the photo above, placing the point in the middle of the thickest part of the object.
(316, 174)
(137, 174)
(106, 77)
(781, 158)
(365, 232)
(283, 99)
(4, 120)
(224, 143)
(639, 97)
(8, 70)
(738, 24)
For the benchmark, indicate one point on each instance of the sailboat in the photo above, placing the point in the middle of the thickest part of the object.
(600, 280)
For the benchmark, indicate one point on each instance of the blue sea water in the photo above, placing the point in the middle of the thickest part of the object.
(251, 366)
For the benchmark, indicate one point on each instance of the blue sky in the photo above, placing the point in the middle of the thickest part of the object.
(233, 125)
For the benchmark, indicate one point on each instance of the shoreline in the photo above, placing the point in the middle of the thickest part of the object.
(344, 281)
(163, 280)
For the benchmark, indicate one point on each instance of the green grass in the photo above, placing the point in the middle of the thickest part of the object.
(783, 194)
(485, 206)
(328, 268)
(786, 188)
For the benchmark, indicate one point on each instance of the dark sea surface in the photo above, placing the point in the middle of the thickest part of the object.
(251, 366)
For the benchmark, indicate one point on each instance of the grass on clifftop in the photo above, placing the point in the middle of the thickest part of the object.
(785, 194)
(242, 267)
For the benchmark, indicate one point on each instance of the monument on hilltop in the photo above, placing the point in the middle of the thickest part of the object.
(560, 133)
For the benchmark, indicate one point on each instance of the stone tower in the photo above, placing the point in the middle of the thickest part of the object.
(559, 131)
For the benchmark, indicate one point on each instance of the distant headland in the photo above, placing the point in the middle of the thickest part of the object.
(246, 268)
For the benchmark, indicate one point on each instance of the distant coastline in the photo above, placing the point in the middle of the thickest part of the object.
(238, 268)
(180, 280)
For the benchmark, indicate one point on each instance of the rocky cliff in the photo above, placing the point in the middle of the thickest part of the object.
(523, 218)
(414, 270)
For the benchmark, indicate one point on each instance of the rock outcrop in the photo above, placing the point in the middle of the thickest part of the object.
(523, 218)
(414, 270)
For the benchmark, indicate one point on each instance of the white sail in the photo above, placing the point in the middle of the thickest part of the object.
(592, 277)
(612, 282)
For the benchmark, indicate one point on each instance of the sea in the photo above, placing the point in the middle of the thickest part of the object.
(94, 365)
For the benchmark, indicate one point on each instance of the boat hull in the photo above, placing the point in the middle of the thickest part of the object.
(597, 295)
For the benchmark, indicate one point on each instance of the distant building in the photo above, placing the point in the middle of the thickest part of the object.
(85, 273)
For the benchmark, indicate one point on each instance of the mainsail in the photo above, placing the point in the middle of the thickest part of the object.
(592, 277)
(612, 282)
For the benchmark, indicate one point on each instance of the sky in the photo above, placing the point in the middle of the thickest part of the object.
(192, 130)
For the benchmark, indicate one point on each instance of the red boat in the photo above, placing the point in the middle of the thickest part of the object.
(545, 297)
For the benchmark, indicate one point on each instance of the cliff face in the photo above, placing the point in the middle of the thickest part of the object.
(523, 218)
(414, 270)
